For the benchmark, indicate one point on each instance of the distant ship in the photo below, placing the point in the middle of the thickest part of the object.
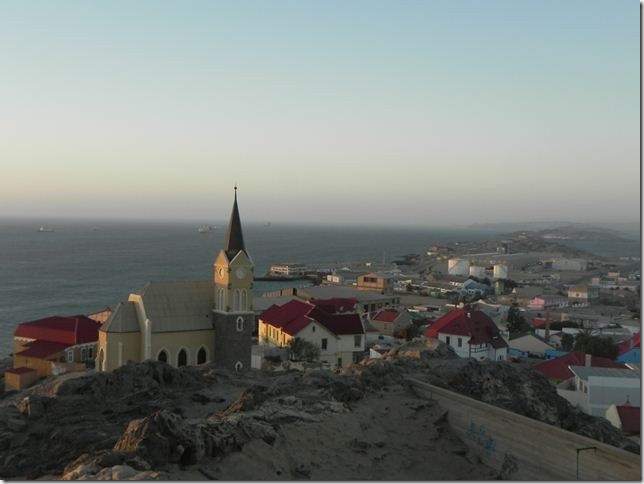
(204, 229)
(44, 229)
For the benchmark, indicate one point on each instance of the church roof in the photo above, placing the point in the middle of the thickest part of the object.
(234, 238)
(123, 319)
(179, 306)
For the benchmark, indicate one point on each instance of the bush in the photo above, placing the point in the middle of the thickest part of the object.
(299, 349)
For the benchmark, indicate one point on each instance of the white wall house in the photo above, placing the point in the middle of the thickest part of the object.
(595, 389)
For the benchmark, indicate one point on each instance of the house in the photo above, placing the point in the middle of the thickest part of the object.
(557, 369)
(288, 269)
(530, 344)
(570, 264)
(595, 389)
(471, 334)
(55, 345)
(547, 301)
(625, 417)
(388, 321)
(340, 337)
(474, 289)
(629, 351)
(583, 293)
(382, 283)
(188, 322)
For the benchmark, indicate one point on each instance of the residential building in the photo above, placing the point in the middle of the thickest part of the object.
(472, 288)
(382, 283)
(531, 345)
(594, 390)
(340, 337)
(558, 369)
(188, 322)
(388, 321)
(471, 334)
(547, 301)
(629, 350)
(55, 345)
(583, 293)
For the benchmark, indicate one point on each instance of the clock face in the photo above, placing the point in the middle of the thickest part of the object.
(221, 272)
(240, 273)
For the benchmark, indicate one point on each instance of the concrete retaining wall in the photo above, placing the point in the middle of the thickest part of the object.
(527, 449)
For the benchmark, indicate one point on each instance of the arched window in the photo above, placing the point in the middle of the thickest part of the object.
(163, 356)
(182, 358)
(243, 304)
(238, 366)
(220, 298)
(201, 356)
(240, 323)
(236, 300)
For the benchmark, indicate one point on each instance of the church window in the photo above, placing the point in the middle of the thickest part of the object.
(201, 356)
(220, 299)
(238, 366)
(236, 300)
(242, 301)
(163, 356)
(240, 324)
(182, 358)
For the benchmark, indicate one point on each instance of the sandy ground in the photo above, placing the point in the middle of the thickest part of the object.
(389, 435)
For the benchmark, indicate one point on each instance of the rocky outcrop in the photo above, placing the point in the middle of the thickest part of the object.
(152, 421)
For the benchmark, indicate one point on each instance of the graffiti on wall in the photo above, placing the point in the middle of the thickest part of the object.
(478, 434)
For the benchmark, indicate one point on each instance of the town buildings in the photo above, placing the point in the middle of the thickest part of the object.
(382, 283)
(52, 345)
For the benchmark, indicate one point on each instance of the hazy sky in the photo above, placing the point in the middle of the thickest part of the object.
(400, 111)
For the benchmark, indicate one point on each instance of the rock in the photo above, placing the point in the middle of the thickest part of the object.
(33, 406)
(122, 472)
(16, 424)
(83, 470)
(161, 438)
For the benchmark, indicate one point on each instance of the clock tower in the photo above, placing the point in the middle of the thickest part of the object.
(234, 318)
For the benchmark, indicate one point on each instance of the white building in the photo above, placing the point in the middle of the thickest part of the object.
(595, 389)
(289, 269)
(570, 264)
(340, 337)
(500, 271)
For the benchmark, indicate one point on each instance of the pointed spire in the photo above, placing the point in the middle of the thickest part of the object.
(234, 237)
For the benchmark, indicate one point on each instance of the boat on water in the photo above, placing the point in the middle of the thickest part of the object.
(204, 229)
(44, 229)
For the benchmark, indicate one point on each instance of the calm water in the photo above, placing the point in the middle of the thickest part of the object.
(84, 266)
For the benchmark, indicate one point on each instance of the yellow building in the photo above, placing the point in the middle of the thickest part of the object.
(188, 322)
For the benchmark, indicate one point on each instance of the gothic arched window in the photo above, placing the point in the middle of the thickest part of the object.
(243, 301)
(201, 356)
(163, 356)
(182, 358)
(236, 300)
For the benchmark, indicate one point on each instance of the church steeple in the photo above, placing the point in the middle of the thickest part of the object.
(234, 236)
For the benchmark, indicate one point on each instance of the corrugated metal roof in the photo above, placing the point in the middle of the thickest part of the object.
(123, 319)
(584, 372)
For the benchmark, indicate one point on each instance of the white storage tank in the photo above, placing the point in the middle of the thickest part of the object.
(477, 271)
(458, 267)
(500, 271)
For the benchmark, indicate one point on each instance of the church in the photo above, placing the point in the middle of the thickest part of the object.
(188, 322)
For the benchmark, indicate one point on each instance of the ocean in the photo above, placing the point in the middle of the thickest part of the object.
(84, 266)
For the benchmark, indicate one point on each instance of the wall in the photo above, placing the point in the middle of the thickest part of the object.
(41, 365)
(525, 449)
(18, 381)
(191, 341)
(130, 344)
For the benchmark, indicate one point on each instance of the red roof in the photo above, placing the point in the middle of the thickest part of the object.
(630, 418)
(629, 344)
(557, 368)
(295, 315)
(478, 326)
(538, 322)
(59, 329)
(42, 349)
(387, 316)
(19, 371)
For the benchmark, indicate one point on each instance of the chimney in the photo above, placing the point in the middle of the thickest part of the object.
(588, 360)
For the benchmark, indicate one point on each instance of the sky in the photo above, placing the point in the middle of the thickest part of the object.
(416, 112)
